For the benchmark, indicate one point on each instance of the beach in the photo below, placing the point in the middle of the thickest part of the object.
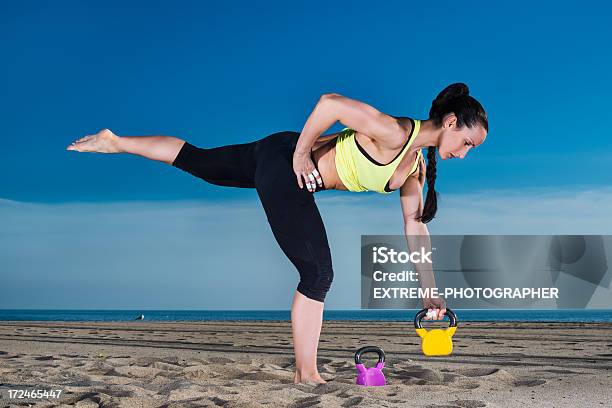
(250, 364)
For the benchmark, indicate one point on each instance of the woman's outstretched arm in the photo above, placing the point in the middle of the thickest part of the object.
(160, 148)
(417, 235)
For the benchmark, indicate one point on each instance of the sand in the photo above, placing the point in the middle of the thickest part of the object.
(250, 364)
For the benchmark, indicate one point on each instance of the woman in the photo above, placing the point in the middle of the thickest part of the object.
(375, 152)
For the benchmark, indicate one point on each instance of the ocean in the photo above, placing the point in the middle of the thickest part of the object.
(568, 315)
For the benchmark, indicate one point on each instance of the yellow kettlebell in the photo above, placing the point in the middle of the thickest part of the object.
(436, 342)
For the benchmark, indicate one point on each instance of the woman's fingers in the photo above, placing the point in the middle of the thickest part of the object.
(435, 314)
(303, 182)
(310, 184)
(311, 178)
(303, 167)
(299, 180)
(316, 174)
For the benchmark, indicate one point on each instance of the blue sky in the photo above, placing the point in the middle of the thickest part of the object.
(219, 73)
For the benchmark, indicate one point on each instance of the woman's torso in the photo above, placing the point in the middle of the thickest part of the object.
(324, 155)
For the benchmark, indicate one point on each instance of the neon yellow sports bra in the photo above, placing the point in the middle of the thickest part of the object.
(360, 172)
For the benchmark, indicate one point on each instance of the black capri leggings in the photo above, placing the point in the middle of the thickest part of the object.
(267, 165)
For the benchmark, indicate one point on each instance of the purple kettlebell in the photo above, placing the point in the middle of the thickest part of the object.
(373, 376)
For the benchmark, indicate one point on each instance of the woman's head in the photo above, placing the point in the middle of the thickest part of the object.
(461, 119)
(463, 124)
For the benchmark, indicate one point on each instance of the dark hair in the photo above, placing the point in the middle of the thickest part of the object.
(455, 99)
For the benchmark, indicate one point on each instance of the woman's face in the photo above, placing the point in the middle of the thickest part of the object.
(457, 142)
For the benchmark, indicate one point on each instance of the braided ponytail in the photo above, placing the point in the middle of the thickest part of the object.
(431, 202)
(456, 99)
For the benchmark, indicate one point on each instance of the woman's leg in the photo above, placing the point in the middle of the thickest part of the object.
(298, 228)
(230, 166)
(299, 231)
(306, 320)
(160, 148)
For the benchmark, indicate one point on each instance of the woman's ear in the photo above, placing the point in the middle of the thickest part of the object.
(450, 120)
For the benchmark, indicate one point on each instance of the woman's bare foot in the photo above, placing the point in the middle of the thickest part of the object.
(308, 378)
(104, 141)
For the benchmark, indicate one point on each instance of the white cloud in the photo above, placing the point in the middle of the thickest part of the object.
(222, 255)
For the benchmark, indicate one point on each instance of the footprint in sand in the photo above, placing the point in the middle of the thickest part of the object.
(461, 404)
(352, 402)
(327, 388)
(449, 377)
(477, 372)
(340, 364)
(265, 376)
(306, 402)
(416, 375)
(529, 382)
(342, 369)
(468, 386)
(44, 358)
(221, 360)
(116, 391)
(166, 366)
(134, 371)
(559, 371)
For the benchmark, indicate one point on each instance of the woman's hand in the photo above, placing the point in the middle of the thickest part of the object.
(438, 305)
(304, 167)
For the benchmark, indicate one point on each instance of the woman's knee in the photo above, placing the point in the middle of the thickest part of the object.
(231, 165)
(316, 285)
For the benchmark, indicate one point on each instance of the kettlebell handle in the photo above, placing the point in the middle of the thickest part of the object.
(368, 349)
(423, 312)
